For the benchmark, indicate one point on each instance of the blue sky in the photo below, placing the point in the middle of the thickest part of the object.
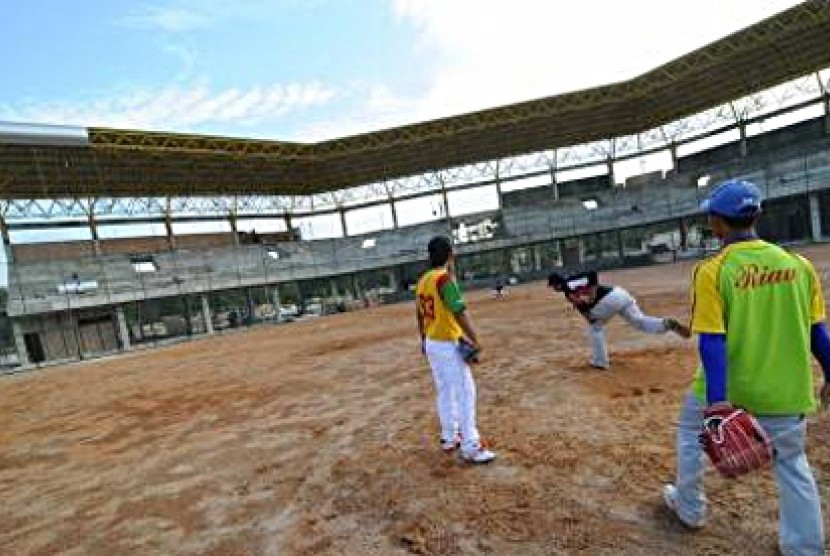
(309, 70)
(237, 67)
(313, 69)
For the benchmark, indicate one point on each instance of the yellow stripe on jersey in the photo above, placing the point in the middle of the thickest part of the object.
(707, 303)
(817, 310)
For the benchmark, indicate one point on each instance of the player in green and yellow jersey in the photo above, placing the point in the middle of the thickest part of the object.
(758, 311)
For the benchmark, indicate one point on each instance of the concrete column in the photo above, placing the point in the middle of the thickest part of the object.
(234, 230)
(20, 343)
(358, 292)
(609, 162)
(275, 296)
(343, 222)
(168, 226)
(446, 205)
(620, 245)
(684, 233)
(498, 186)
(815, 216)
(93, 229)
(394, 215)
(123, 331)
(827, 113)
(7, 243)
(71, 335)
(206, 315)
(393, 279)
(288, 224)
(4, 231)
(742, 127)
(250, 306)
(554, 184)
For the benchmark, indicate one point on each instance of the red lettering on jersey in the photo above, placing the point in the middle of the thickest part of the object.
(427, 305)
(752, 277)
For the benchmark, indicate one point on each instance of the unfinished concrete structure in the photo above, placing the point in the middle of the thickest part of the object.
(552, 167)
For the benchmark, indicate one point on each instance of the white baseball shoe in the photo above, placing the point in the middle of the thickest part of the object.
(478, 455)
(670, 498)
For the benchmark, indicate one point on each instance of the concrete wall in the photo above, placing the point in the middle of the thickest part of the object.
(70, 250)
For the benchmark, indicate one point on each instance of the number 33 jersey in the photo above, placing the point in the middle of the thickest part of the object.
(439, 299)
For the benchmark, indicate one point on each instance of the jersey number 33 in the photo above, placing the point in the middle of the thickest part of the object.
(427, 305)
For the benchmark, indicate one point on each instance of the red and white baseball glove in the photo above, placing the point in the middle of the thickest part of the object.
(735, 441)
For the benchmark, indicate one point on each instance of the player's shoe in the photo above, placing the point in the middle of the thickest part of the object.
(451, 444)
(600, 366)
(670, 499)
(479, 454)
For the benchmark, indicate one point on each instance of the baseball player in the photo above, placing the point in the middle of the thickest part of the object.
(598, 303)
(499, 288)
(758, 311)
(443, 323)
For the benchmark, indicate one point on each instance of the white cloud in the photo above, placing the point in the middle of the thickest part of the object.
(181, 16)
(180, 107)
(486, 53)
(172, 19)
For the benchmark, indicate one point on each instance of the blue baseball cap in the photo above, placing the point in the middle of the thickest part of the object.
(734, 199)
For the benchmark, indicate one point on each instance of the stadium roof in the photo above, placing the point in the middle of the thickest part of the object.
(121, 163)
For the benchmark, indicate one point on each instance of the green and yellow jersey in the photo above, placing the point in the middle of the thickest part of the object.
(764, 299)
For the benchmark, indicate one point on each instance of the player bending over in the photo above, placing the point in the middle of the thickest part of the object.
(443, 323)
(599, 303)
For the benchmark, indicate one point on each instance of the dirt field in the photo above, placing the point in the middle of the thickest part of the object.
(320, 437)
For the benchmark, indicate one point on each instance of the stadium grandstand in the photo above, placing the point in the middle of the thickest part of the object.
(606, 177)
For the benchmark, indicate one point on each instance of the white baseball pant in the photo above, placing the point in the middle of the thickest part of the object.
(455, 393)
(618, 302)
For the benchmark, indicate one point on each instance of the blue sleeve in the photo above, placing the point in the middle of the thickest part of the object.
(712, 349)
(820, 345)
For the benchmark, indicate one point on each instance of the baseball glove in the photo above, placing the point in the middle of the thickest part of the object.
(468, 351)
(735, 441)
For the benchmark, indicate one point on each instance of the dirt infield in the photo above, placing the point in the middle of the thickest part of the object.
(320, 437)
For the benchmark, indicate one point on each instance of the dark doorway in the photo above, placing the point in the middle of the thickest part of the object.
(34, 347)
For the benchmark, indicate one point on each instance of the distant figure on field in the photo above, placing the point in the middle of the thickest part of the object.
(499, 288)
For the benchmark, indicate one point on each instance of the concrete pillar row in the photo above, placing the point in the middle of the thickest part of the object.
(206, 315)
(744, 149)
(168, 226)
(343, 223)
(394, 215)
(827, 113)
(123, 331)
(20, 344)
(275, 295)
(815, 217)
(93, 231)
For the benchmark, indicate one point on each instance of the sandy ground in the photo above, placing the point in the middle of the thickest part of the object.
(320, 437)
